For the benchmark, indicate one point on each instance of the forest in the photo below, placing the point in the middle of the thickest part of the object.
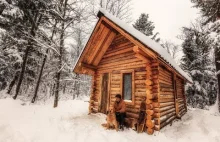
(42, 39)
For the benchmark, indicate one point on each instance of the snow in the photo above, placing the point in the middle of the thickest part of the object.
(22, 122)
(147, 41)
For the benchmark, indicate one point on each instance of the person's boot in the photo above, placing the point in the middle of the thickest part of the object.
(122, 127)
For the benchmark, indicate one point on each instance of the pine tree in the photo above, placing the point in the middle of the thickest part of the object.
(197, 62)
(144, 25)
(210, 10)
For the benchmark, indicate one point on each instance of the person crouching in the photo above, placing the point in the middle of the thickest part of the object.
(120, 108)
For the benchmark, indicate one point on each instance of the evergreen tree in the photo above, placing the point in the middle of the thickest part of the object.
(210, 10)
(197, 62)
(144, 25)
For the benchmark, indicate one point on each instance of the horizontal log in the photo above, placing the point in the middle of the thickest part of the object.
(140, 94)
(132, 115)
(141, 73)
(140, 89)
(162, 119)
(167, 112)
(166, 100)
(119, 63)
(132, 110)
(141, 57)
(137, 98)
(139, 81)
(168, 121)
(115, 86)
(163, 85)
(140, 85)
(140, 77)
(165, 82)
(117, 52)
(166, 96)
(166, 93)
(167, 104)
(162, 109)
(122, 67)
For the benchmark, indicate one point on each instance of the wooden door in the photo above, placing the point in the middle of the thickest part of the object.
(104, 93)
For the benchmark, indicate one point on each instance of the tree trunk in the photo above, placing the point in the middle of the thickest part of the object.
(11, 85)
(42, 67)
(29, 47)
(21, 76)
(64, 88)
(39, 78)
(76, 87)
(217, 63)
(60, 57)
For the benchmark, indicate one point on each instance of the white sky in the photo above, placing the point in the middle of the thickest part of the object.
(168, 15)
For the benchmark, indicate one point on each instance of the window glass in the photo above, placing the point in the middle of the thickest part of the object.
(127, 86)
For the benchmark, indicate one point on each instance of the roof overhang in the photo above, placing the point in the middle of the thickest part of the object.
(88, 66)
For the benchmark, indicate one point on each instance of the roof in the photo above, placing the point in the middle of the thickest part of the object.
(147, 41)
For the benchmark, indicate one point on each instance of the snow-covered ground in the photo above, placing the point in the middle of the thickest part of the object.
(70, 122)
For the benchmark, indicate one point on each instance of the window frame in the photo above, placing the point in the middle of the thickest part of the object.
(132, 86)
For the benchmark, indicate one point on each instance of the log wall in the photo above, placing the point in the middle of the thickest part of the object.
(180, 96)
(166, 112)
(120, 57)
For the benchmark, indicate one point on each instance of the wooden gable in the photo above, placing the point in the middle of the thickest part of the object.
(100, 40)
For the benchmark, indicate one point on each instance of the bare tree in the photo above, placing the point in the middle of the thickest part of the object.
(119, 8)
(172, 48)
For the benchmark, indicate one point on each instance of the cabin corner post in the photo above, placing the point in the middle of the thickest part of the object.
(152, 93)
(184, 95)
(175, 96)
(92, 95)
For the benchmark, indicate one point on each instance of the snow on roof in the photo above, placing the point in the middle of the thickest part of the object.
(147, 41)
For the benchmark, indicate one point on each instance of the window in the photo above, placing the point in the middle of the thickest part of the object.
(127, 86)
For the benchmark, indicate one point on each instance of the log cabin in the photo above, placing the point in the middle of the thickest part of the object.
(122, 60)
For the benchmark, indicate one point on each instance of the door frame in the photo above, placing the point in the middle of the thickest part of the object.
(108, 92)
